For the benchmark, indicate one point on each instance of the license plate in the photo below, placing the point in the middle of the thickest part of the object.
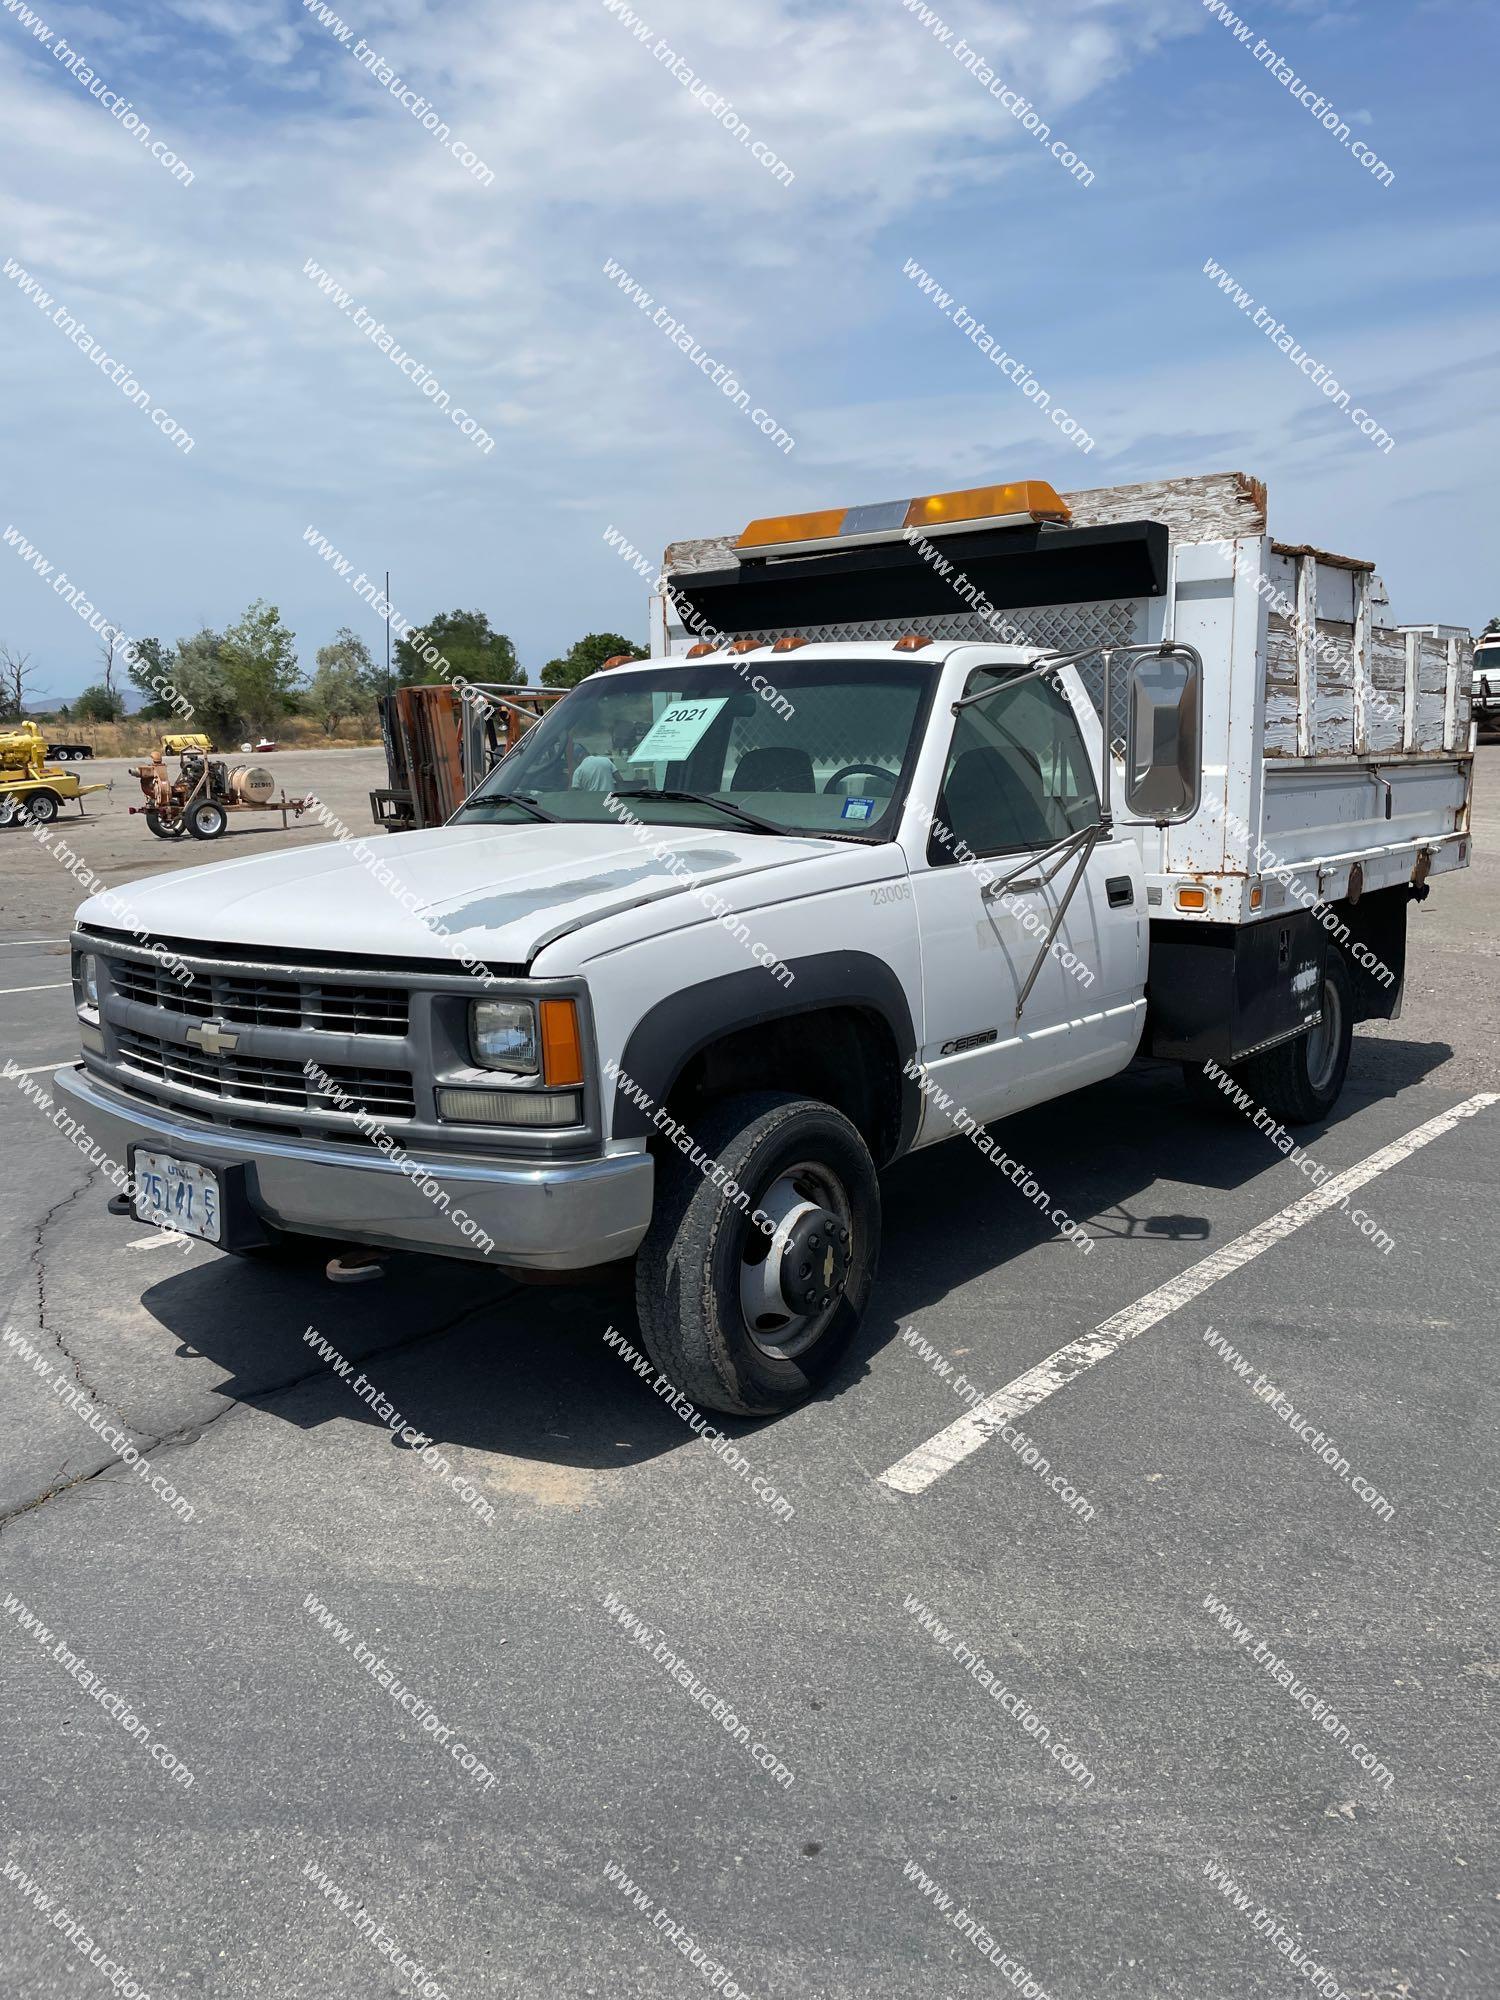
(177, 1194)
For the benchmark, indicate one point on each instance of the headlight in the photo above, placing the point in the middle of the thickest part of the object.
(502, 1035)
(88, 979)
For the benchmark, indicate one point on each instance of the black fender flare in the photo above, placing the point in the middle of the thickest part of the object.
(670, 1034)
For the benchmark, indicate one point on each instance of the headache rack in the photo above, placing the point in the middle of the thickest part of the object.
(1337, 745)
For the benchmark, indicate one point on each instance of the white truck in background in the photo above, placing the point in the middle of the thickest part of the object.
(1486, 683)
(961, 800)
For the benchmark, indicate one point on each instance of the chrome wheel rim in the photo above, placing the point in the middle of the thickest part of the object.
(1324, 1041)
(791, 1197)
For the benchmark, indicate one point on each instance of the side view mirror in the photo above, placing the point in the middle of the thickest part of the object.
(1164, 733)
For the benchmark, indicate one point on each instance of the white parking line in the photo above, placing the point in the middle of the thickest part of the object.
(46, 1069)
(154, 1239)
(951, 1446)
(15, 944)
(56, 987)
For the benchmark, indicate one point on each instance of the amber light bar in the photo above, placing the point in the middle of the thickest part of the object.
(1020, 504)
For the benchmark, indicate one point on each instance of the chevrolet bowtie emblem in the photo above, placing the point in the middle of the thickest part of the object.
(213, 1037)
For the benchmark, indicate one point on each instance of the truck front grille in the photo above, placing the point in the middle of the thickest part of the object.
(264, 1003)
(268, 1080)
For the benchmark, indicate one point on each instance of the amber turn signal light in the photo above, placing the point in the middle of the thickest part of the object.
(562, 1044)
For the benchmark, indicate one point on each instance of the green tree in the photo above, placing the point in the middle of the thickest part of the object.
(99, 704)
(344, 682)
(260, 664)
(151, 670)
(200, 675)
(349, 652)
(1494, 624)
(585, 656)
(469, 645)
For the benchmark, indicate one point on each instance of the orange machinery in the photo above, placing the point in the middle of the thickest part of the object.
(439, 744)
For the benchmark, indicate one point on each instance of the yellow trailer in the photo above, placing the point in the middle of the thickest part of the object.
(30, 787)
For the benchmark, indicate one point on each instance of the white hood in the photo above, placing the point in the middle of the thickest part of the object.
(498, 892)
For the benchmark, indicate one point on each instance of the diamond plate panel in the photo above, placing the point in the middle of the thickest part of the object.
(1067, 627)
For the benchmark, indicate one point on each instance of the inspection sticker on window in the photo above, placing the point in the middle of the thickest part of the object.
(858, 808)
(677, 730)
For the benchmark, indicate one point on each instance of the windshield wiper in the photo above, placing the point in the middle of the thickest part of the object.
(525, 800)
(740, 813)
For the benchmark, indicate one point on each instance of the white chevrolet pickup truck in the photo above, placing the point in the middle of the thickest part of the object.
(921, 813)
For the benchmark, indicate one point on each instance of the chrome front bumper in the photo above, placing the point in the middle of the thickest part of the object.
(562, 1215)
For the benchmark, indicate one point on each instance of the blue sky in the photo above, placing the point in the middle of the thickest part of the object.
(299, 152)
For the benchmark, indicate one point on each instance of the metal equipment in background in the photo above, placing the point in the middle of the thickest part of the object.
(205, 790)
(440, 744)
(31, 788)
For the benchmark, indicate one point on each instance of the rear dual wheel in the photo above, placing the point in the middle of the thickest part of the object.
(1298, 1081)
(750, 1316)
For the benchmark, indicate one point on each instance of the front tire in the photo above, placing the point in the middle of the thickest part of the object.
(745, 1320)
(205, 820)
(164, 829)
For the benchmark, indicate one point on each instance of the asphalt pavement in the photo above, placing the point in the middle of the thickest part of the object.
(517, 1717)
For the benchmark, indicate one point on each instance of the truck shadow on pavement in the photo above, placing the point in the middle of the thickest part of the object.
(474, 1360)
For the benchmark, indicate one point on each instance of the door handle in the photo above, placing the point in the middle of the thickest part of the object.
(1120, 891)
(1011, 888)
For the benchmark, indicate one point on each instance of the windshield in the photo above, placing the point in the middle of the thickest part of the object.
(835, 765)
